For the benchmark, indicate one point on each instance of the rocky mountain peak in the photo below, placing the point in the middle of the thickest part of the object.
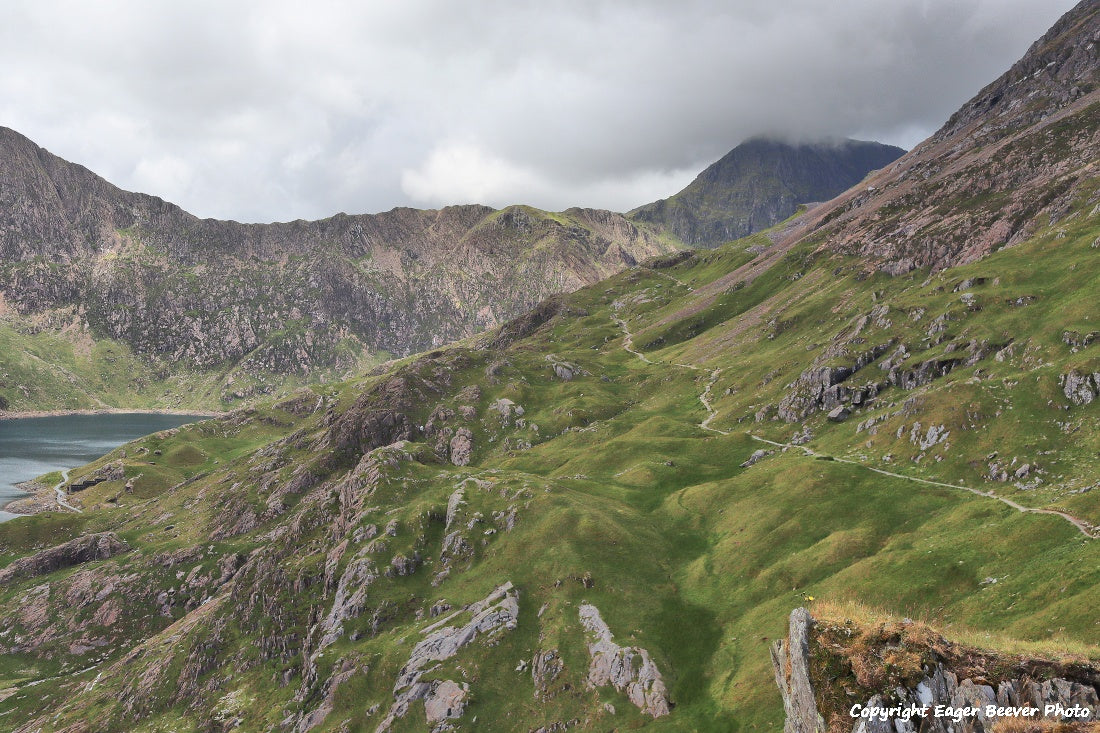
(1012, 160)
(1059, 68)
(761, 182)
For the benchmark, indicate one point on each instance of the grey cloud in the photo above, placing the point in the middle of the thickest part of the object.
(270, 111)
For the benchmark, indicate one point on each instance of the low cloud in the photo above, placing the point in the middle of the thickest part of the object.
(269, 111)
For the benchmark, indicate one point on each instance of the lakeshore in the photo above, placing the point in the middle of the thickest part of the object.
(37, 444)
(28, 414)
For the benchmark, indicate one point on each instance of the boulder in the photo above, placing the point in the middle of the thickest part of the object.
(1080, 389)
(756, 457)
(446, 699)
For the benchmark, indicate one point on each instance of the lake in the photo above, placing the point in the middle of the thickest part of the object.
(33, 446)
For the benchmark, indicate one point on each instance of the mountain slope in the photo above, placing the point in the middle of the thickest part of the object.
(760, 183)
(600, 514)
(1011, 161)
(259, 302)
(287, 561)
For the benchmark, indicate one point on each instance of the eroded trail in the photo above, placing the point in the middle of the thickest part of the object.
(628, 344)
(1084, 527)
(704, 397)
(61, 493)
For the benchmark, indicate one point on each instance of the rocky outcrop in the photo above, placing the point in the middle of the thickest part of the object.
(630, 670)
(903, 678)
(74, 552)
(834, 389)
(462, 447)
(546, 666)
(976, 707)
(365, 432)
(496, 614)
(1081, 389)
(446, 700)
(791, 660)
(756, 457)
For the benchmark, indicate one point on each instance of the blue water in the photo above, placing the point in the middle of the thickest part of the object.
(33, 446)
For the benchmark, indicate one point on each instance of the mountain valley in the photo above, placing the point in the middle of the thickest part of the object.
(599, 514)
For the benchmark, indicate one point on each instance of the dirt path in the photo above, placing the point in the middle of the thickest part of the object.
(704, 398)
(61, 494)
(1084, 527)
(676, 280)
(628, 344)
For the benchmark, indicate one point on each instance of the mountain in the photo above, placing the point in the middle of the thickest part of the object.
(1014, 159)
(241, 308)
(599, 515)
(760, 183)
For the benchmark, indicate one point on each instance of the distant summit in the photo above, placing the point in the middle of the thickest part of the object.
(762, 182)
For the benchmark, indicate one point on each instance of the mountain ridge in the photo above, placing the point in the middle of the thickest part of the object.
(598, 515)
(1008, 162)
(258, 303)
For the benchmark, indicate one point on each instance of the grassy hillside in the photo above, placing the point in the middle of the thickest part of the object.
(620, 484)
(55, 363)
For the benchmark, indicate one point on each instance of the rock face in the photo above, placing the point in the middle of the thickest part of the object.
(760, 183)
(75, 552)
(630, 670)
(495, 615)
(288, 297)
(447, 699)
(987, 178)
(462, 446)
(1027, 691)
(791, 659)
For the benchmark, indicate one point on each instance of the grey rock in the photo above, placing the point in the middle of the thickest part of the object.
(489, 618)
(455, 547)
(791, 662)
(462, 446)
(402, 565)
(457, 500)
(545, 668)
(756, 457)
(629, 670)
(1080, 389)
(446, 699)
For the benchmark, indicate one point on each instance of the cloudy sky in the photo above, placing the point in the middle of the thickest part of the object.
(263, 111)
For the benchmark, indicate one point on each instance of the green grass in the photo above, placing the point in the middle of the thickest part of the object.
(621, 500)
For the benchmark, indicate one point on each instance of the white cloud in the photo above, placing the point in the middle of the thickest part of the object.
(167, 173)
(464, 172)
(275, 110)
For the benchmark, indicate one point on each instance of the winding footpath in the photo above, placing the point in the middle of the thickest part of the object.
(628, 344)
(704, 398)
(1081, 525)
(61, 493)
